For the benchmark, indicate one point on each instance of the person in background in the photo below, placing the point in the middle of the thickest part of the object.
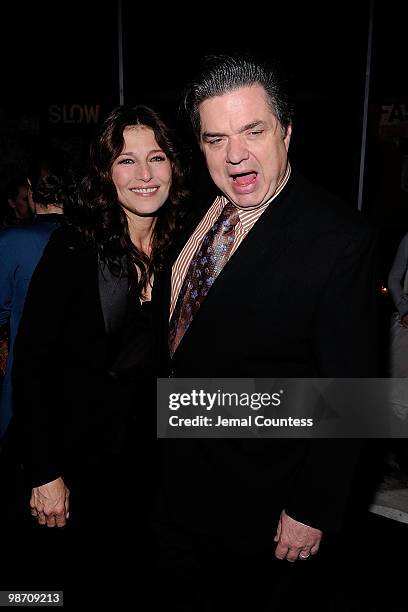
(46, 188)
(398, 357)
(398, 284)
(17, 209)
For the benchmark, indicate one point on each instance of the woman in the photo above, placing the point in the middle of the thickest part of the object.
(398, 352)
(78, 405)
(398, 282)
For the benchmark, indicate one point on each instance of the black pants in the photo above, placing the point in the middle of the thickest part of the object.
(110, 537)
(103, 556)
(203, 574)
(32, 556)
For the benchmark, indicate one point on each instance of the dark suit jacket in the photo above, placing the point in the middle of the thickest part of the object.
(295, 300)
(69, 409)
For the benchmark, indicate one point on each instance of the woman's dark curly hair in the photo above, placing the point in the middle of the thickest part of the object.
(98, 213)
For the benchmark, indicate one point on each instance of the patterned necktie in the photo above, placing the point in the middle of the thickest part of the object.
(204, 268)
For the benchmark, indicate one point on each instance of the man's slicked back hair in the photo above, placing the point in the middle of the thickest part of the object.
(221, 74)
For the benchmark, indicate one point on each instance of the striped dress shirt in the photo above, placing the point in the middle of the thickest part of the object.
(247, 219)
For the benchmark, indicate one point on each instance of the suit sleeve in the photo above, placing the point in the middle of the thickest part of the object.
(396, 275)
(39, 353)
(345, 347)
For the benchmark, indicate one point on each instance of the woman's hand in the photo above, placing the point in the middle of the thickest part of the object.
(50, 503)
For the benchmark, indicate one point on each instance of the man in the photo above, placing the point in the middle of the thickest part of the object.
(21, 249)
(294, 299)
(18, 210)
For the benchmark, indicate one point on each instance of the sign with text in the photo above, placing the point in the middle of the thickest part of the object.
(282, 408)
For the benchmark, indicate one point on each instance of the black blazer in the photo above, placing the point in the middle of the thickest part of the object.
(69, 408)
(297, 299)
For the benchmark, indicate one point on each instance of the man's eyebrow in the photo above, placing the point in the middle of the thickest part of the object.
(249, 126)
(212, 135)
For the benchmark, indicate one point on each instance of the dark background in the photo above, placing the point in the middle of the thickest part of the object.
(60, 77)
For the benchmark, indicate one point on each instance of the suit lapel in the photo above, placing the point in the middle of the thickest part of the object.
(112, 292)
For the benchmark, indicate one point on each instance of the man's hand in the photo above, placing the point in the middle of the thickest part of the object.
(50, 503)
(295, 540)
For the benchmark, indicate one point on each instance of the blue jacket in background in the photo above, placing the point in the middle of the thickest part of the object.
(21, 249)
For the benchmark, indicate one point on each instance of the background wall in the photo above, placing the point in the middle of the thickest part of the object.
(59, 76)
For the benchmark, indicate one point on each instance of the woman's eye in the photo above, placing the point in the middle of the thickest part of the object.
(158, 158)
(126, 161)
